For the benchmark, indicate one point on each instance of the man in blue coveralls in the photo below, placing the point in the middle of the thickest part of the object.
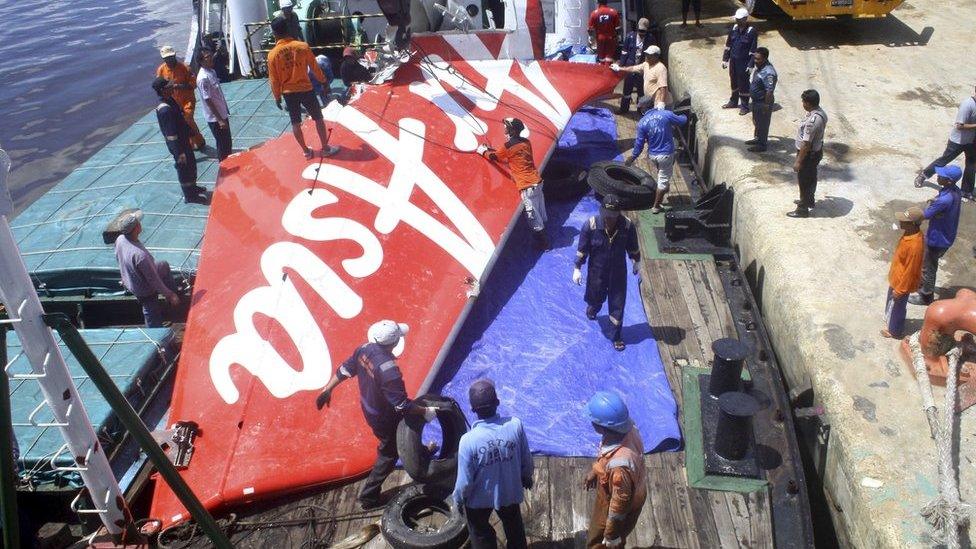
(740, 46)
(607, 239)
(494, 465)
(943, 216)
(383, 398)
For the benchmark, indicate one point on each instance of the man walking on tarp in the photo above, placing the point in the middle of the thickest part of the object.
(494, 466)
(517, 153)
(143, 276)
(289, 64)
(604, 23)
(606, 240)
(655, 129)
(618, 475)
(740, 46)
(183, 85)
(176, 133)
(383, 398)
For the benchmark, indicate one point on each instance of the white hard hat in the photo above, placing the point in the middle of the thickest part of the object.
(167, 51)
(129, 221)
(652, 50)
(285, 4)
(387, 332)
(740, 13)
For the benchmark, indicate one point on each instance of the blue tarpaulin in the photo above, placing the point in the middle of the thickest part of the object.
(528, 332)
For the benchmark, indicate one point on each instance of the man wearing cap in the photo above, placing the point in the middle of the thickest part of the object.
(809, 152)
(494, 466)
(517, 153)
(183, 85)
(289, 64)
(287, 12)
(176, 134)
(215, 109)
(943, 216)
(906, 270)
(962, 140)
(382, 396)
(655, 129)
(143, 276)
(604, 23)
(655, 76)
(740, 45)
(761, 89)
(632, 54)
(606, 240)
(618, 475)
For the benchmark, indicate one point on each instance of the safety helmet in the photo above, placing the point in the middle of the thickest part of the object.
(608, 410)
(514, 125)
(386, 332)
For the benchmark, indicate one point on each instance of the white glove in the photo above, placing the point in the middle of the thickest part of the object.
(615, 542)
(482, 148)
(615, 67)
(430, 413)
(577, 277)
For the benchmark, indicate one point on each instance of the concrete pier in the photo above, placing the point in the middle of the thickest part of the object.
(891, 88)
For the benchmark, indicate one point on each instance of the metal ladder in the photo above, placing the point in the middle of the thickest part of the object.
(51, 373)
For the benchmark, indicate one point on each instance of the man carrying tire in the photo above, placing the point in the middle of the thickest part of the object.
(494, 466)
(618, 475)
(606, 240)
(517, 152)
(383, 397)
(654, 129)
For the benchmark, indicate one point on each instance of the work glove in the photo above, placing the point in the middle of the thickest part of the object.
(577, 277)
(430, 413)
(615, 67)
(482, 149)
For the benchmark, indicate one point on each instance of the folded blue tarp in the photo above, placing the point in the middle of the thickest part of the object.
(528, 333)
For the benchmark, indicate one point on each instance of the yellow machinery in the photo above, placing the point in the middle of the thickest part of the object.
(820, 9)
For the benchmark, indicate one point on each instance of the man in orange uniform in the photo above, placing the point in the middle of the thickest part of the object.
(604, 22)
(517, 152)
(289, 63)
(618, 473)
(906, 270)
(183, 85)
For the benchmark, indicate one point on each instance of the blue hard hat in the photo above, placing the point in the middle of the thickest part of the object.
(608, 410)
(950, 172)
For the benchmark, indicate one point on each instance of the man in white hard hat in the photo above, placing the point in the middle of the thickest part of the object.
(287, 12)
(655, 76)
(142, 275)
(383, 398)
(740, 46)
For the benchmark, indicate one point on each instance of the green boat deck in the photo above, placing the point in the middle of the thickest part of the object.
(60, 234)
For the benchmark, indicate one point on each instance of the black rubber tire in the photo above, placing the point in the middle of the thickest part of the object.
(416, 457)
(563, 180)
(395, 524)
(634, 186)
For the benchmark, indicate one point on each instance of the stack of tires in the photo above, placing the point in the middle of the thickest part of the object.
(634, 186)
(424, 516)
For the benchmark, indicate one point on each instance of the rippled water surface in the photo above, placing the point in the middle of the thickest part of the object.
(73, 74)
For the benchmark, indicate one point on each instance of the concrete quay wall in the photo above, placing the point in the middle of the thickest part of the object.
(890, 87)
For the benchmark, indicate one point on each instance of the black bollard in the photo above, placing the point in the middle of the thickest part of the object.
(727, 366)
(734, 424)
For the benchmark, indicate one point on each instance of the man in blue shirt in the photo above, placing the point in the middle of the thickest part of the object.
(740, 45)
(494, 465)
(943, 216)
(383, 398)
(654, 129)
(761, 90)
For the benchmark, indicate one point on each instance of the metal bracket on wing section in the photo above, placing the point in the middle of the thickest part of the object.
(177, 442)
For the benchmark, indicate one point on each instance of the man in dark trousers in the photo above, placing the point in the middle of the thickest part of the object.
(287, 12)
(943, 215)
(176, 133)
(809, 152)
(607, 240)
(761, 89)
(494, 466)
(632, 54)
(383, 398)
(740, 45)
(604, 22)
(215, 109)
(962, 140)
